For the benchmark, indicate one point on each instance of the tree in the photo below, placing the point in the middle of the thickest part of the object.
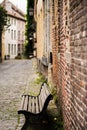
(29, 32)
(3, 22)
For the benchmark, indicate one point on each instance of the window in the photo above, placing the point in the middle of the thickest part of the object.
(11, 34)
(12, 49)
(18, 48)
(23, 24)
(14, 34)
(14, 21)
(8, 48)
(18, 22)
(8, 20)
(51, 58)
(18, 35)
(23, 35)
(22, 47)
(11, 20)
(8, 30)
(15, 49)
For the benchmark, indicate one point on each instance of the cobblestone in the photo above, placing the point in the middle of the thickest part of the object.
(15, 77)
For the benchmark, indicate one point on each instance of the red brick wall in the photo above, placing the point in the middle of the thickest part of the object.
(78, 22)
(72, 77)
(64, 72)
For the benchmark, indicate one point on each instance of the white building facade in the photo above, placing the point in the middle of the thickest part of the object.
(15, 34)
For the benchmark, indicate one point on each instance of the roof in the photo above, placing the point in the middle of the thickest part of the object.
(15, 11)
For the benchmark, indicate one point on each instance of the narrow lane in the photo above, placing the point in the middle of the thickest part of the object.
(14, 75)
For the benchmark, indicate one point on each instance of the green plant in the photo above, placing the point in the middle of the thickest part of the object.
(54, 93)
(28, 32)
(3, 22)
(18, 57)
(41, 78)
(56, 98)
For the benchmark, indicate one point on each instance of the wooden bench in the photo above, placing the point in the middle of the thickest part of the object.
(35, 105)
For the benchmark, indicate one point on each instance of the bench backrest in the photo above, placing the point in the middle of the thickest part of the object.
(35, 104)
(44, 94)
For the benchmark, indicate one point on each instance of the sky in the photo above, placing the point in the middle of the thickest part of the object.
(21, 4)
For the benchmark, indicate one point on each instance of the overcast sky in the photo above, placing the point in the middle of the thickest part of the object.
(21, 4)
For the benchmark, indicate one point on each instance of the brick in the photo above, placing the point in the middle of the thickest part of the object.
(70, 77)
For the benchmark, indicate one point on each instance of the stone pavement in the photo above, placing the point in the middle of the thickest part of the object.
(15, 78)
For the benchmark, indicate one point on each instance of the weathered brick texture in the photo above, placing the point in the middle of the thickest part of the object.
(68, 37)
(72, 76)
(78, 22)
(54, 39)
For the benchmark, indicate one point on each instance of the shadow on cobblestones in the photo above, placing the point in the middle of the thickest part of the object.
(40, 124)
(49, 121)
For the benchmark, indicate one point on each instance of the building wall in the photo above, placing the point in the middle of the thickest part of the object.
(46, 28)
(72, 63)
(20, 36)
(10, 40)
(40, 34)
(14, 37)
(3, 46)
(78, 45)
(14, 34)
(54, 39)
(68, 37)
(64, 70)
(43, 34)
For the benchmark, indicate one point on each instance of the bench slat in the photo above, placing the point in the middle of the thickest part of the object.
(29, 104)
(46, 90)
(22, 103)
(26, 103)
(33, 105)
(42, 99)
(40, 103)
(37, 107)
(44, 96)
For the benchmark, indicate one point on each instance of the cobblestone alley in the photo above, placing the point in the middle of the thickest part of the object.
(14, 76)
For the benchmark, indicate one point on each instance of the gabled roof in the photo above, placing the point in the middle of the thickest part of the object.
(15, 11)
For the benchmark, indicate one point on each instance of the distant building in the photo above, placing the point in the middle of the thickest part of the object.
(14, 35)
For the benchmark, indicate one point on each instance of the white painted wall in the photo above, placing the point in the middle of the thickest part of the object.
(9, 40)
(15, 25)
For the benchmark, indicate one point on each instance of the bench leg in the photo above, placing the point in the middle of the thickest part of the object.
(29, 118)
(21, 121)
